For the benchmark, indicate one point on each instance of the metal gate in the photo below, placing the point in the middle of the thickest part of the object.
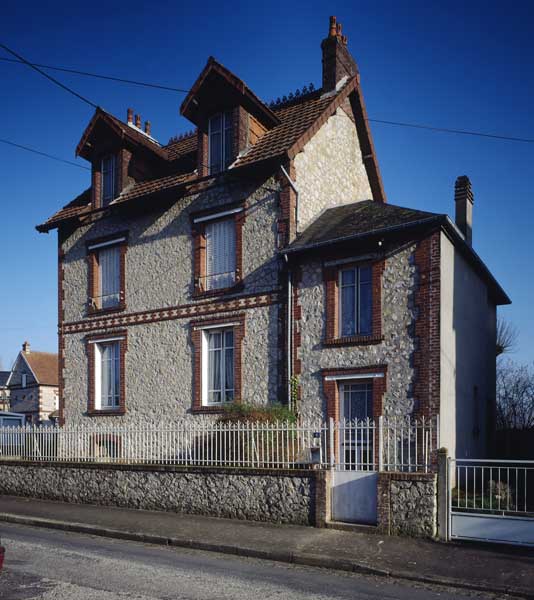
(491, 501)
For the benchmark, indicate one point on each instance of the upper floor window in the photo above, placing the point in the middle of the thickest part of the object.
(220, 238)
(106, 275)
(355, 301)
(220, 142)
(109, 184)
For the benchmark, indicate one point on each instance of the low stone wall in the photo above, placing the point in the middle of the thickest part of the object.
(297, 496)
(407, 504)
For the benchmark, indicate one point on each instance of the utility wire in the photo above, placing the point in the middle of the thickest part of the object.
(52, 79)
(68, 162)
(108, 77)
(173, 89)
(460, 131)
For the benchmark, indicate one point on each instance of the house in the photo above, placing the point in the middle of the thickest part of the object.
(256, 260)
(33, 384)
(4, 392)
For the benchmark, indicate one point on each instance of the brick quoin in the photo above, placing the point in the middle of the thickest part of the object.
(427, 327)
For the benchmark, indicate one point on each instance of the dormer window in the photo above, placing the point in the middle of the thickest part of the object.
(108, 179)
(220, 142)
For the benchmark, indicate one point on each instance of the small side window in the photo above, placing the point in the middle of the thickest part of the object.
(108, 179)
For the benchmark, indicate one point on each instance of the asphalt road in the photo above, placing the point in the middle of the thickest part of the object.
(54, 565)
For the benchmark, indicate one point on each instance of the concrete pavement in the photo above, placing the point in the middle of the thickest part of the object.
(475, 567)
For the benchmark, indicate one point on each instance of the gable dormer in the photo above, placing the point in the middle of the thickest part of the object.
(229, 117)
(120, 154)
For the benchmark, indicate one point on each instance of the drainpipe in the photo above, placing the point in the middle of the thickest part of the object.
(294, 188)
(289, 330)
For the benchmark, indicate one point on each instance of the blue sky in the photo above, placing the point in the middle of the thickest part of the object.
(449, 64)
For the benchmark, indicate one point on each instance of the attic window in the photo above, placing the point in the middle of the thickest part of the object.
(108, 179)
(220, 142)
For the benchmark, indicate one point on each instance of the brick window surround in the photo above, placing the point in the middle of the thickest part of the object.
(199, 248)
(93, 288)
(91, 340)
(237, 322)
(331, 279)
(331, 387)
(122, 163)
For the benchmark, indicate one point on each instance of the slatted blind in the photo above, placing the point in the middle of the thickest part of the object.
(220, 254)
(109, 261)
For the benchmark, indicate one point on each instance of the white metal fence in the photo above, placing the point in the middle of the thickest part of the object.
(388, 444)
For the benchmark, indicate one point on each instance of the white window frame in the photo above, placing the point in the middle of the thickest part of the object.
(206, 332)
(103, 199)
(97, 349)
(225, 116)
(357, 303)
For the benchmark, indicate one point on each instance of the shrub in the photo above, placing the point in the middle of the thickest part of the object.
(254, 413)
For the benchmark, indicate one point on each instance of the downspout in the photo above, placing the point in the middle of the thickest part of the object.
(289, 330)
(294, 188)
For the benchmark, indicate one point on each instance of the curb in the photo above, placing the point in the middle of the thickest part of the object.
(296, 558)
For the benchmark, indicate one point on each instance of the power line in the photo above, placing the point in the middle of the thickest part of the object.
(98, 76)
(185, 91)
(460, 131)
(52, 79)
(68, 162)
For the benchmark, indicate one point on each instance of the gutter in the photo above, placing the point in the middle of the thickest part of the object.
(289, 331)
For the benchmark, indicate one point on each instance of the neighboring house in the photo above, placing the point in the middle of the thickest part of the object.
(33, 384)
(4, 392)
(256, 260)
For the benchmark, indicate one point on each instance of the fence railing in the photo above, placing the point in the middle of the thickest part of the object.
(388, 444)
(502, 487)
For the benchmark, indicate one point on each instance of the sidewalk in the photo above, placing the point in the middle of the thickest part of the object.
(481, 567)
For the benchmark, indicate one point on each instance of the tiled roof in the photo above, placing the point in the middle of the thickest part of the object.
(296, 118)
(44, 366)
(351, 220)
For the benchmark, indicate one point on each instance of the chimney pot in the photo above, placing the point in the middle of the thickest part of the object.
(147, 127)
(138, 121)
(464, 200)
(337, 60)
(332, 31)
(129, 115)
(26, 347)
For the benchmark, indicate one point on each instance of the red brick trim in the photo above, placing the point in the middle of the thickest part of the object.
(196, 339)
(182, 311)
(331, 279)
(199, 250)
(331, 389)
(427, 327)
(93, 287)
(61, 337)
(90, 342)
(287, 219)
(202, 148)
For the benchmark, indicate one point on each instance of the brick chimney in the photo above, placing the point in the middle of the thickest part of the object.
(463, 198)
(337, 60)
(26, 347)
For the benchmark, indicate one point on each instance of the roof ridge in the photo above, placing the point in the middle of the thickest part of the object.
(294, 98)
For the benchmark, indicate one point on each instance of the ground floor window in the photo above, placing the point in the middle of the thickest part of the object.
(219, 366)
(107, 375)
(356, 400)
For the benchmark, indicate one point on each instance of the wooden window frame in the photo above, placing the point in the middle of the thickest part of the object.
(91, 342)
(331, 276)
(237, 323)
(235, 212)
(93, 247)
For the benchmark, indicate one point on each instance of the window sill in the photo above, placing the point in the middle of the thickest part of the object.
(106, 311)
(107, 412)
(354, 340)
(236, 287)
(211, 409)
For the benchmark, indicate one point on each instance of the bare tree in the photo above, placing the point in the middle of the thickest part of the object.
(515, 396)
(507, 335)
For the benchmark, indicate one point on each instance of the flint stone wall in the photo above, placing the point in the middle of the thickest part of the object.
(276, 497)
(407, 504)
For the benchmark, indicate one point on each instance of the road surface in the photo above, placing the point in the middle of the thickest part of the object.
(54, 565)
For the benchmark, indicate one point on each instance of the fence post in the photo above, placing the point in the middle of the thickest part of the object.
(443, 494)
(332, 443)
(380, 443)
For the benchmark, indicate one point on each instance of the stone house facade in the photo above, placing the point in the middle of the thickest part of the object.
(257, 255)
(33, 385)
